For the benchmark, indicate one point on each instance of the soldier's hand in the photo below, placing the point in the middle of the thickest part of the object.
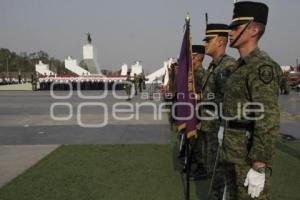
(255, 182)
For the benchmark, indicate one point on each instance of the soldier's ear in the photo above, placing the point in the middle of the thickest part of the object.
(220, 42)
(254, 30)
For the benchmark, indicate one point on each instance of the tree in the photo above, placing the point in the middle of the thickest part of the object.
(25, 62)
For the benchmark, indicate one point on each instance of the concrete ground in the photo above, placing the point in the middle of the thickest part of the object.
(16, 87)
(290, 114)
(25, 118)
(15, 159)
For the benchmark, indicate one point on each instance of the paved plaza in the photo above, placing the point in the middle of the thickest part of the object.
(25, 119)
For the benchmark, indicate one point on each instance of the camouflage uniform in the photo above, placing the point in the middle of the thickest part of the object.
(140, 82)
(135, 82)
(197, 145)
(255, 79)
(34, 81)
(213, 92)
(199, 74)
(127, 86)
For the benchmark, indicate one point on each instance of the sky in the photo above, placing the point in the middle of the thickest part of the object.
(134, 30)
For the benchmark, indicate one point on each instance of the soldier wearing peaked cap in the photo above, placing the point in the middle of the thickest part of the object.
(198, 53)
(213, 91)
(249, 139)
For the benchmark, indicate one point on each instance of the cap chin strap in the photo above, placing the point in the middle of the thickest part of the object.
(241, 33)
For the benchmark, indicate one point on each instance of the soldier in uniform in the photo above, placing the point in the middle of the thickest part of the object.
(248, 142)
(34, 81)
(219, 70)
(198, 54)
(140, 82)
(135, 82)
(127, 86)
(144, 81)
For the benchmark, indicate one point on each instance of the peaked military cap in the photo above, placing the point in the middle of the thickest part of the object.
(200, 49)
(246, 11)
(213, 30)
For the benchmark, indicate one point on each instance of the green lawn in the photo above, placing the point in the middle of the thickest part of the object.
(286, 172)
(126, 172)
(108, 172)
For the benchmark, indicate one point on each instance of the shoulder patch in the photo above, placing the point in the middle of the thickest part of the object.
(266, 74)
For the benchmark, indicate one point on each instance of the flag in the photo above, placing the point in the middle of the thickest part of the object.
(185, 94)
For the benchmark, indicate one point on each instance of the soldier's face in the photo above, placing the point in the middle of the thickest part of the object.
(193, 58)
(243, 37)
(210, 45)
(197, 58)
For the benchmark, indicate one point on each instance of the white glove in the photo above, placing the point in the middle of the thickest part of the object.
(255, 182)
(221, 135)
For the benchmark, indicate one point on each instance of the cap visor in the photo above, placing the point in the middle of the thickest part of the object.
(206, 39)
(237, 23)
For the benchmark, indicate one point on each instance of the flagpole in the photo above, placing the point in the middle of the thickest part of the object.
(187, 154)
(187, 24)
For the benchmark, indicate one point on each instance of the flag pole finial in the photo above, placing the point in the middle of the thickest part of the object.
(187, 18)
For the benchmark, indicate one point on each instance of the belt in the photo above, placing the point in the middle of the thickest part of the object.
(247, 125)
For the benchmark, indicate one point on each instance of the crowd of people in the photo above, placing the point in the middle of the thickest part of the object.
(79, 85)
(11, 80)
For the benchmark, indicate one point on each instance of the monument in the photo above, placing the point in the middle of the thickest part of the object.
(43, 69)
(124, 70)
(136, 68)
(72, 65)
(89, 56)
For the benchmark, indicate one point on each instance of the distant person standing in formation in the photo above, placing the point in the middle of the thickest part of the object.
(127, 86)
(144, 80)
(135, 82)
(140, 82)
(34, 81)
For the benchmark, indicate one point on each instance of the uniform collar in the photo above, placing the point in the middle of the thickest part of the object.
(248, 58)
(214, 63)
(198, 67)
(219, 60)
